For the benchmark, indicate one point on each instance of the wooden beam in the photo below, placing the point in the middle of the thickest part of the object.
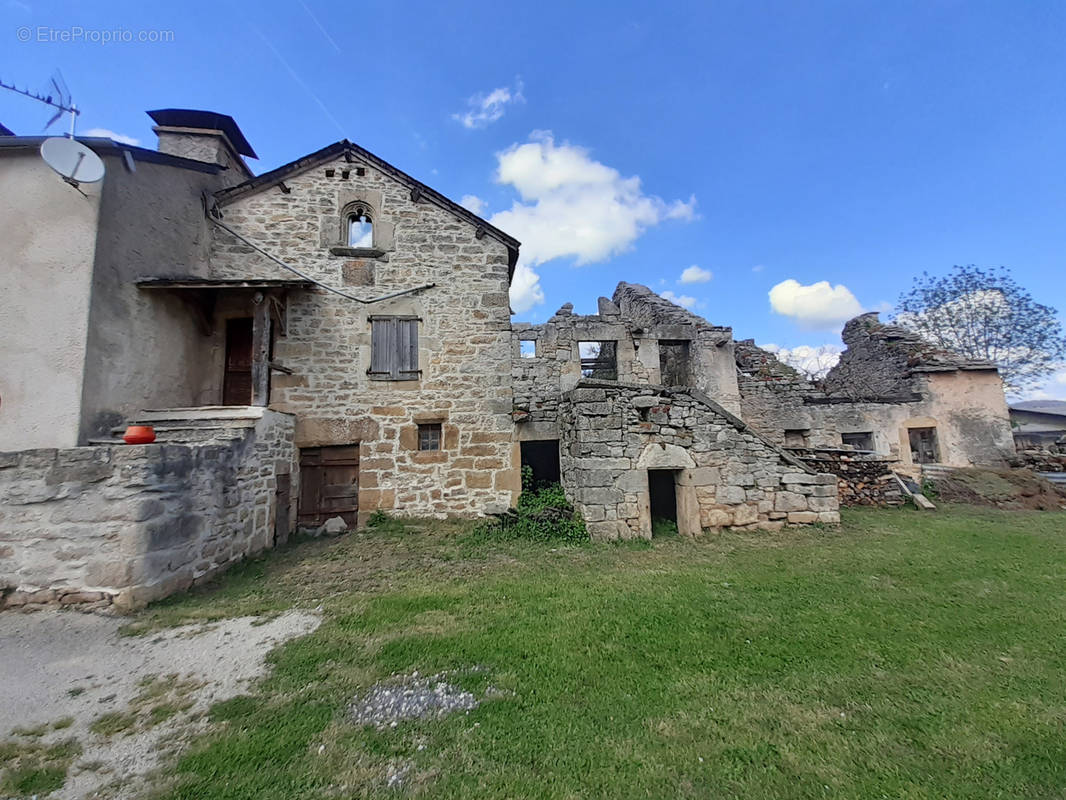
(260, 350)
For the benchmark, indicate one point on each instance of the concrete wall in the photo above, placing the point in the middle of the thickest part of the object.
(130, 524)
(464, 337)
(726, 475)
(48, 231)
(144, 349)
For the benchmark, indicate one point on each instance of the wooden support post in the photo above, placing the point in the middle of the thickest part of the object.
(260, 350)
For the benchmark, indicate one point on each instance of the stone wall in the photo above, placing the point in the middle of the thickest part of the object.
(726, 474)
(637, 320)
(464, 344)
(133, 523)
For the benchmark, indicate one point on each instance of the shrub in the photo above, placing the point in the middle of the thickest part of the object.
(543, 514)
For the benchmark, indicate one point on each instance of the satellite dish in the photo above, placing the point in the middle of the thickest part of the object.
(73, 160)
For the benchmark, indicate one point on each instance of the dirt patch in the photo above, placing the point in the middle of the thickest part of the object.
(1012, 489)
(122, 704)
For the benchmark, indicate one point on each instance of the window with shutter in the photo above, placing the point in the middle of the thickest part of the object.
(394, 349)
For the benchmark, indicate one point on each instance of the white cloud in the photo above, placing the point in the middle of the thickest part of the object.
(487, 107)
(813, 362)
(818, 305)
(572, 206)
(472, 203)
(104, 133)
(681, 300)
(696, 274)
(526, 291)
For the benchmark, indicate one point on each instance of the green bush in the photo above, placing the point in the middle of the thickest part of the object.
(543, 514)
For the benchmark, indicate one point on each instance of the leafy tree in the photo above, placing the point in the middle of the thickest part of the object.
(982, 313)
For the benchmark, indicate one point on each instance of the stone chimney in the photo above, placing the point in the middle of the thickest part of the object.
(205, 136)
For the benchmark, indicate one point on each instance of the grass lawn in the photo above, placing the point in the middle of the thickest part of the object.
(900, 655)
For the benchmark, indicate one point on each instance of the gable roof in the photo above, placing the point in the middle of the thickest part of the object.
(347, 148)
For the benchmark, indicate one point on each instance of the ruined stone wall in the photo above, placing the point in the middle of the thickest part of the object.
(638, 320)
(133, 523)
(464, 337)
(726, 474)
(966, 404)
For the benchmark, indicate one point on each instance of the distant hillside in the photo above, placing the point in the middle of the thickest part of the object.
(1047, 406)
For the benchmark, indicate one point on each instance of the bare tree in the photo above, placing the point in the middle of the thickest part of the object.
(982, 313)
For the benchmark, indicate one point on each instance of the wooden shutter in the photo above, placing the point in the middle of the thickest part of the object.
(394, 348)
(408, 348)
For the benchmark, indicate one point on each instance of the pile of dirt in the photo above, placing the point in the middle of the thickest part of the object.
(1014, 489)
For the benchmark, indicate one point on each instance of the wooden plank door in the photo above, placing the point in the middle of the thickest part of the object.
(329, 484)
(237, 380)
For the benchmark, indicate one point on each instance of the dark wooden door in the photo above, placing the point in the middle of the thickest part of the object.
(237, 381)
(329, 484)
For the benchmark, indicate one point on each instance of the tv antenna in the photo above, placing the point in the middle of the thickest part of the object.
(59, 98)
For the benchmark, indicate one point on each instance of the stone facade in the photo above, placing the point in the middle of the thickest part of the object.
(724, 473)
(887, 382)
(863, 479)
(464, 333)
(132, 523)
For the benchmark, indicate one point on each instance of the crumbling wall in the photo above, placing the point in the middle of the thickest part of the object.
(887, 382)
(133, 523)
(726, 474)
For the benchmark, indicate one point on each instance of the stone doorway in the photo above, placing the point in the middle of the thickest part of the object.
(329, 484)
(542, 456)
(924, 446)
(662, 497)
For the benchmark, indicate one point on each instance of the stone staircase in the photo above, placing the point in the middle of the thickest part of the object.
(199, 425)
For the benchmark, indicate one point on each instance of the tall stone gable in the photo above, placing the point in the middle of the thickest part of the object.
(464, 345)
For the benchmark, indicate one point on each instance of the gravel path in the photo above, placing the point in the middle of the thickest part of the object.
(67, 664)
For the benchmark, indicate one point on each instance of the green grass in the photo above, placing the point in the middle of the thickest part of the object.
(29, 769)
(113, 722)
(902, 655)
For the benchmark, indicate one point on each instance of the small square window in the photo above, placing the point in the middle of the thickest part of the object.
(429, 436)
(859, 440)
(528, 348)
(796, 437)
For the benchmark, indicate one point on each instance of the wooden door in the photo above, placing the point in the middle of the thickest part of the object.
(237, 381)
(329, 484)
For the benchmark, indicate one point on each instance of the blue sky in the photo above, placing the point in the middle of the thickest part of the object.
(769, 144)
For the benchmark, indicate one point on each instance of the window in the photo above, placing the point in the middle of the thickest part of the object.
(429, 436)
(924, 447)
(796, 437)
(599, 360)
(528, 348)
(861, 440)
(673, 362)
(360, 229)
(394, 349)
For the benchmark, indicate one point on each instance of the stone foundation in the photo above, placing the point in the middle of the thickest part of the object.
(133, 523)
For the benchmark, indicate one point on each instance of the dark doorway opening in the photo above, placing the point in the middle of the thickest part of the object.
(543, 458)
(329, 484)
(673, 362)
(237, 380)
(924, 447)
(662, 492)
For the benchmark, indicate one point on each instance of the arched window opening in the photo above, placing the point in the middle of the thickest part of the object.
(360, 229)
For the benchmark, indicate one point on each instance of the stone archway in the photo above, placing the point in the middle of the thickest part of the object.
(659, 457)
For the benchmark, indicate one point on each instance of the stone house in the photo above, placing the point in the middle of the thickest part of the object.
(333, 338)
(334, 328)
